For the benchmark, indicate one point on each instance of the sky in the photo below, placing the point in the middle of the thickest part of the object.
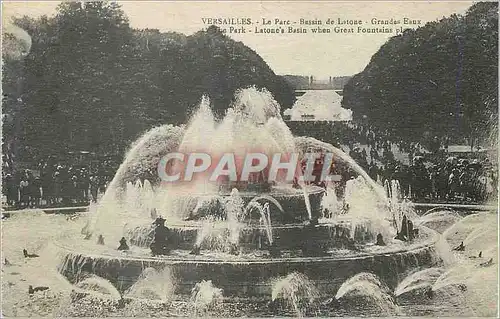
(320, 55)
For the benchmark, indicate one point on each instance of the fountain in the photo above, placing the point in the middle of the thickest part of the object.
(293, 290)
(204, 296)
(366, 289)
(240, 236)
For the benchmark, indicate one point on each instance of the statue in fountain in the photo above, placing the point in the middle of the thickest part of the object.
(196, 250)
(406, 233)
(123, 244)
(380, 240)
(487, 263)
(345, 208)
(402, 234)
(234, 249)
(460, 247)
(100, 240)
(429, 293)
(160, 246)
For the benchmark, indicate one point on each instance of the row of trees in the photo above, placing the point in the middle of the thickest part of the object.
(91, 82)
(438, 80)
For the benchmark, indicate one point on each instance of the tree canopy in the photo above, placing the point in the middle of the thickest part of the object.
(438, 80)
(91, 82)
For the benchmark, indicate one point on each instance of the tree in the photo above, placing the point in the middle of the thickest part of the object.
(438, 80)
(91, 82)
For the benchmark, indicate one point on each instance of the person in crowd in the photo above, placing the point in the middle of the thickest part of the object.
(489, 184)
(94, 187)
(10, 190)
(24, 191)
(36, 192)
(441, 182)
(73, 189)
(373, 171)
(46, 176)
(374, 154)
(420, 178)
(57, 186)
(454, 183)
(433, 182)
(85, 184)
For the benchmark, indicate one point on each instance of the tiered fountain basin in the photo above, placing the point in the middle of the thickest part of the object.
(249, 273)
(286, 204)
(242, 237)
(184, 235)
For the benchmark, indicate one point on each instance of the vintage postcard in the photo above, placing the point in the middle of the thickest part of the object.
(249, 159)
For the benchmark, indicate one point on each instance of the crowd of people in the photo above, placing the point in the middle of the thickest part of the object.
(433, 176)
(438, 178)
(425, 173)
(53, 184)
(348, 136)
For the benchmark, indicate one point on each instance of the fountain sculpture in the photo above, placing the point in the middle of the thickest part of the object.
(241, 236)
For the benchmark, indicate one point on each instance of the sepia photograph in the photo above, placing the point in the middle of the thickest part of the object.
(253, 159)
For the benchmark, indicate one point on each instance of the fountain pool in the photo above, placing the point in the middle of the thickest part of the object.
(240, 237)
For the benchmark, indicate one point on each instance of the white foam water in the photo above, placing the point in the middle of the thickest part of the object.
(253, 123)
(99, 286)
(296, 290)
(422, 279)
(204, 297)
(366, 288)
(153, 284)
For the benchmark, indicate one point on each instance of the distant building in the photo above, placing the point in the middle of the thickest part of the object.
(318, 105)
(468, 151)
(309, 82)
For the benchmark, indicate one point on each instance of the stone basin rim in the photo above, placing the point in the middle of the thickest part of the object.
(429, 242)
(275, 190)
(200, 224)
